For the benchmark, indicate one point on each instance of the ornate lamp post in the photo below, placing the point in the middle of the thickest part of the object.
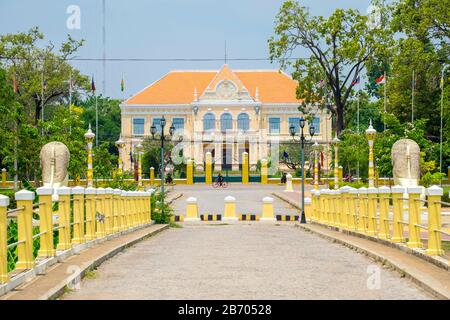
(89, 136)
(370, 134)
(120, 145)
(316, 148)
(162, 138)
(139, 161)
(302, 140)
(335, 143)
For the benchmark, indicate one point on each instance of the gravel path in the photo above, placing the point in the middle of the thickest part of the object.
(242, 261)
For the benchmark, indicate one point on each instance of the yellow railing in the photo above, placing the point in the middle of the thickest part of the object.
(83, 214)
(395, 214)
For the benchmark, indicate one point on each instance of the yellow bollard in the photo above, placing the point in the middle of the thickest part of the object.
(318, 206)
(78, 215)
(267, 210)
(264, 178)
(384, 212)
(397, 205)
(372, 227)
(4, 203)
(192, 210)
(109, 214)
(414, 240)
(133, 209)
(152, 176)
(244, 168)
(117, 224)
(100, 213)
(288, 183)
(90, 213)
(24, 200)
(353, 208)
(313, 205)
(64, 242)
(308, 208)
(230, 209)
(362, 212)
(45, 222)
(141, 200)
(208, 169)
(190, 171)
(126, 210)
(434, 194)
(4, 174)
(345, 206)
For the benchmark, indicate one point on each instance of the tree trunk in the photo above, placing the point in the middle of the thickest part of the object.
(339, 118)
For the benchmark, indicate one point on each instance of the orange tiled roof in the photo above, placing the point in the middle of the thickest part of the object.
(177, 87)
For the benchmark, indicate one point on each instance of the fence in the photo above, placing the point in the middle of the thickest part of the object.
(78, 215)
(394, 214)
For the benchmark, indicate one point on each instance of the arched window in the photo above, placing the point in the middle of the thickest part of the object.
(243, 122)
(209, 122)
(226, 122)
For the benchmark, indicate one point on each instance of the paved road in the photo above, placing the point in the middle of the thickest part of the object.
(248, 199)
(242, 261)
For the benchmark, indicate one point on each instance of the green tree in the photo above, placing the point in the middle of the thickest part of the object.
(340, 46)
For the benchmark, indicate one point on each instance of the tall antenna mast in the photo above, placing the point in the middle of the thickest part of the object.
(104, 46)
(225, 51)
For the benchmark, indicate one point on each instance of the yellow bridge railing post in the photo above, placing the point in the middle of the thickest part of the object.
(314, 205)
(64, 241)
(353, 208)
(4, 203)
(324, 205)
(372, 201)
(116, 212)
(434, 194)
(362, 212)
(333, 207)
(78, 215)
(126, 210)
(319, 206)
(135, 200)
(264, 179)
(46, 248)
(90, 213)
(192, 210)
(308, 208)
(141, 200)
(109, 214)
(345, 211)
(100, 215)
(384, 212)
(24, 200)
(397, 208)
(414, 205)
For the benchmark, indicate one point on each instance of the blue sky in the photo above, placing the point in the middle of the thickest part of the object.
(159, 29)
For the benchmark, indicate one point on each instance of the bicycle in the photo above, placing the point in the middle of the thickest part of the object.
(217, 184)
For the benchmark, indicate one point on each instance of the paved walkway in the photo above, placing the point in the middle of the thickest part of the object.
(243, 261)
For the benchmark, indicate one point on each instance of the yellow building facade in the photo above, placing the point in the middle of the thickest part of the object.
(225, 112)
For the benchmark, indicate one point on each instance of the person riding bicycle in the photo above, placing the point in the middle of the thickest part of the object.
(220, 179)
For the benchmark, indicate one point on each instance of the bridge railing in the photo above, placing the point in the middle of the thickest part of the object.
(395, 214)
(64, 219)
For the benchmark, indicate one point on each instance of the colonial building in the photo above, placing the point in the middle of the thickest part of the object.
(225, 112)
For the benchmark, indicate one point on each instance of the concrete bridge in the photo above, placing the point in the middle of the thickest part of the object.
(121, 254)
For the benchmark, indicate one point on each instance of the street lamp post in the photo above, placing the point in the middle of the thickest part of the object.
(139, 162)
(89, 136)
(316, 148)
(120, 145)
(370, 134)
(441, 124)
(292, 130)
(162, 138)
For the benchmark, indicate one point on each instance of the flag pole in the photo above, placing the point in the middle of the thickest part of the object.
(70, 100)
(412, 97)
(96, 121)
(442, 115)
(42, 100)
(358, 96)
(385, 102)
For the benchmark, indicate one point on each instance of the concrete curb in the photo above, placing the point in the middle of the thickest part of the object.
(79, 271)
(420, 281)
